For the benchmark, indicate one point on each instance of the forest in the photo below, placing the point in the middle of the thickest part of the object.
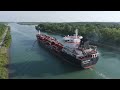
(101, 32)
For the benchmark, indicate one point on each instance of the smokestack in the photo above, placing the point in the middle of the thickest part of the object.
(39, 32)
(76, 33)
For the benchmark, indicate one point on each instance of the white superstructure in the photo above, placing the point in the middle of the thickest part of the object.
(73, 39)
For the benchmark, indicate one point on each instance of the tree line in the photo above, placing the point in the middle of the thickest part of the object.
(108, 33)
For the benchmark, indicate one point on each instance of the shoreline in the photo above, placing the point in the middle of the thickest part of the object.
(9, 58)
(94, 43)
(7, 46)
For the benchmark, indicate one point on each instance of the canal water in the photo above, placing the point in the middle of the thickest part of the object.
(30, 61)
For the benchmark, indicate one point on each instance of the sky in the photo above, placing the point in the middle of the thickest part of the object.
(59, 16)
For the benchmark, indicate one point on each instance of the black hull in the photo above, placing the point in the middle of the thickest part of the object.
(68, 58)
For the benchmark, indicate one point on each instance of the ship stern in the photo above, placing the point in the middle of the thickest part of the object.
(89, 62)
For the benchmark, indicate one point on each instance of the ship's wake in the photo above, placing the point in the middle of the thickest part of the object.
(100, 74)
(33, 44)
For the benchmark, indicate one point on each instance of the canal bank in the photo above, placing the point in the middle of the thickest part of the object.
(4, 54)
(29, 60)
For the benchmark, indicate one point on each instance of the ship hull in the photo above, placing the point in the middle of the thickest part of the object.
(68, 58)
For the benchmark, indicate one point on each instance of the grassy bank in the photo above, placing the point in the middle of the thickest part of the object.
(2, 30)
(4, 57)
(3, 63)
(7, 39)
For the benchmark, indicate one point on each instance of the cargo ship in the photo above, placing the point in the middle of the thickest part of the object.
(73, 50)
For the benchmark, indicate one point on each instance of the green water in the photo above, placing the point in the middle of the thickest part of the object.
(28, 62)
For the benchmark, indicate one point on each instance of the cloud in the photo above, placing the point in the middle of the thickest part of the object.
(60, 16)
